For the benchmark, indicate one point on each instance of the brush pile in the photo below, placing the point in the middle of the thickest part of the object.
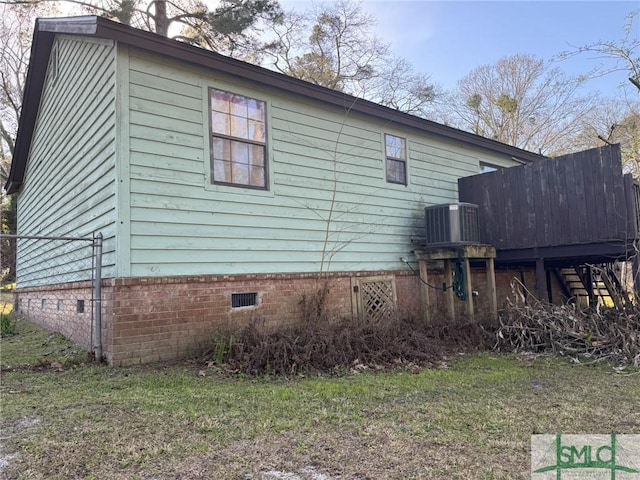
(599, 334)
(342, 344)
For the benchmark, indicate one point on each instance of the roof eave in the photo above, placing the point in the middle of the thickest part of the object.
(185, 52)
(46, 29)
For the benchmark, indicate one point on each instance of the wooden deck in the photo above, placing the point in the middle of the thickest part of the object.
(567, 210)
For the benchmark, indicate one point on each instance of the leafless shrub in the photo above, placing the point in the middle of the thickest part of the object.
(328, 345)
(599, 334)
(313, 305)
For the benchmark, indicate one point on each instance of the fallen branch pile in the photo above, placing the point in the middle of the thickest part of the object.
(600, 334)
(325, 345)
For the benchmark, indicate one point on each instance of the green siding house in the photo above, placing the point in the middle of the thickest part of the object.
(211, 178)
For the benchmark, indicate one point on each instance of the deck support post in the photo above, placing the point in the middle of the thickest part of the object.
(469, 288)
(448, 254)
(541, 279)
(491, 287)
(424, 288)
(448, 280)
(589, 286)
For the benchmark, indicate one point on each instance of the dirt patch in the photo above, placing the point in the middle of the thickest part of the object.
(9, 432)
(306, 473)
(5, 460)
(385, 454)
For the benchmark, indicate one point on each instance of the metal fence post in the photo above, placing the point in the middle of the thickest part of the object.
(97, 297)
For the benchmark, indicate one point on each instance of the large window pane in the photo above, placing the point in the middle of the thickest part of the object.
(238, 128)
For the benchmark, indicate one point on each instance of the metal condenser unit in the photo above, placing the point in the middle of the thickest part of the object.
(452, 223)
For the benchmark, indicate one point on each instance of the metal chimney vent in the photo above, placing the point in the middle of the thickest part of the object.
(452, 223)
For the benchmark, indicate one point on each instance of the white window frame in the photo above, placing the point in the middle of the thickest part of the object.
(390, 157)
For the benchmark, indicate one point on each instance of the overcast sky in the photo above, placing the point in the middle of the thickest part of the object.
(447, 39)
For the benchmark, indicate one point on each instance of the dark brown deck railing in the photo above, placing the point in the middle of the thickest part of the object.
(636, 199)
(577, 199)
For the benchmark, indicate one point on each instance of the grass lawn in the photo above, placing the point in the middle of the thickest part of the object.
(470, 418)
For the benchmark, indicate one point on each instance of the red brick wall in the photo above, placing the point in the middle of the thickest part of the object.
(56, 308)
(162, 318)
(153, 319)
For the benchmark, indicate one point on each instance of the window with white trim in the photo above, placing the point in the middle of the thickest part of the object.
(488, 167)
(238, 140)
(396, 159)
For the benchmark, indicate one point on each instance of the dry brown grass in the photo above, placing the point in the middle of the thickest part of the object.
(465, 417)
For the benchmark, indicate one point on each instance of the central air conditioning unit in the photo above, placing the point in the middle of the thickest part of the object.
(451, 224)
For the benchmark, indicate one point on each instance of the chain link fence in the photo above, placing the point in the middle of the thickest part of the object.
(50, 277)
(7, 273)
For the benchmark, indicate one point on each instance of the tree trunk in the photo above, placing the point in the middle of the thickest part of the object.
(162, 22)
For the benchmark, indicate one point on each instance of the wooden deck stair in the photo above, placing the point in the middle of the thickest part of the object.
(605, 286)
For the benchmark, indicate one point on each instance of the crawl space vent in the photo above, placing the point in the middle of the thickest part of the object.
(244, 299)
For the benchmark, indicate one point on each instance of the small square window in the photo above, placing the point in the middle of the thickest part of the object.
(44, 304)
(80, 306)
(396, 159)
(60, 305)
(244, 300)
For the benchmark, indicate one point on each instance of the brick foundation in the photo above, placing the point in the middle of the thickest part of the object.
(65, 308)
(153, 319)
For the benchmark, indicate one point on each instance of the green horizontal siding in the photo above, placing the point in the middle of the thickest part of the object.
(69, 187)
(327, 187)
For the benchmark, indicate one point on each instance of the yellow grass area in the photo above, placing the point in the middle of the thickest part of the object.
(6, 308)
(6, 298)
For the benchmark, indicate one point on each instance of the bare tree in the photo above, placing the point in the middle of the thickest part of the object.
(398, 86)
(522, 102)
(614, 121)
(335, 46)
(626, 132)
(615, 55)
(332, 46)
(16, 28)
